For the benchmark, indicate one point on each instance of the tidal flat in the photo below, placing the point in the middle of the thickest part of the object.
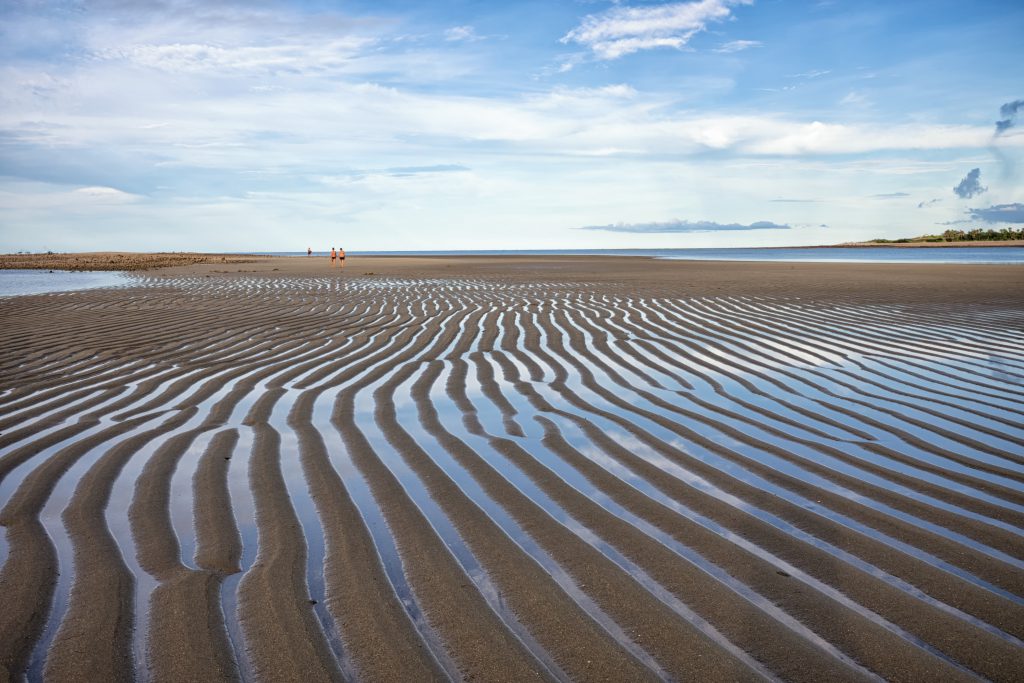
(515, 468)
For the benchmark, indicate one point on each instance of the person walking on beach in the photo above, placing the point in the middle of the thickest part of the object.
(309, 251)
(334, 255)
(341, 257)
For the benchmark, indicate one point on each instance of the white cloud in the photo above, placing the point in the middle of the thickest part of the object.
(737, 46)
(813, 73)
(103, 195)
(460, 33)
(816, 137)
(215, 59)
(43, 197)
(306, 123)
(586, 101)
(623, 30)
(854, 99)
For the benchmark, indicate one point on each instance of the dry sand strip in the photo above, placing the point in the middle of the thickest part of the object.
(520, 468)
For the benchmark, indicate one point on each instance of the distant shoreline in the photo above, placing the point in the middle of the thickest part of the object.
(902, 245)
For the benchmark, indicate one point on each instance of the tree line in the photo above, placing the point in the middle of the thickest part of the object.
(976, 235)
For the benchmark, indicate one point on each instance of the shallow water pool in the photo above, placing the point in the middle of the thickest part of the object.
(21, 282)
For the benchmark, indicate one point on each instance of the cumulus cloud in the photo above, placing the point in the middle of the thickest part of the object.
(999, 213)
(970, 186)
(927, 203)
(624, 30)
(685, 226)
(738, 46)
(1009, 112)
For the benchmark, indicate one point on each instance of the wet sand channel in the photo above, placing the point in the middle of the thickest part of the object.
(518, 468)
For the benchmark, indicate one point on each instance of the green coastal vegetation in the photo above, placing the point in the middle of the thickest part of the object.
(976, 235)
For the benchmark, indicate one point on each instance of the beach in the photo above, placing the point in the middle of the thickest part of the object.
(512, 468)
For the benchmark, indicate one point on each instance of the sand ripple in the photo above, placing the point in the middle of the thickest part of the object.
(384, 479)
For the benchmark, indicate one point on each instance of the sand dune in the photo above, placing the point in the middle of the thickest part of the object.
(315, 477)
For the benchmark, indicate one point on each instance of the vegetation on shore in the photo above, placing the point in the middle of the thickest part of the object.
(976, 235)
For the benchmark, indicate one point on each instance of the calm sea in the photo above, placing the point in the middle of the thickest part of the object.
(18, 282)
(992, 255)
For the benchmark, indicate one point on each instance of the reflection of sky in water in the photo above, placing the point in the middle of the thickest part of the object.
(1004, 371)
(637, 447)
(742, 368)
(492, 421)
(21, 282)
(775, 395)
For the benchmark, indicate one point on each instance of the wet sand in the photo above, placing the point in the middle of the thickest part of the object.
(515, 468)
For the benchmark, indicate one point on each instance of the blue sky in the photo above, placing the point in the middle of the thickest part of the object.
(220, 125)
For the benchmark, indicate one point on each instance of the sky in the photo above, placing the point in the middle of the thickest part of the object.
(214, 125)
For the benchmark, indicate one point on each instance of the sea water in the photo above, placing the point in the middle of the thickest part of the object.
(20, 282)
